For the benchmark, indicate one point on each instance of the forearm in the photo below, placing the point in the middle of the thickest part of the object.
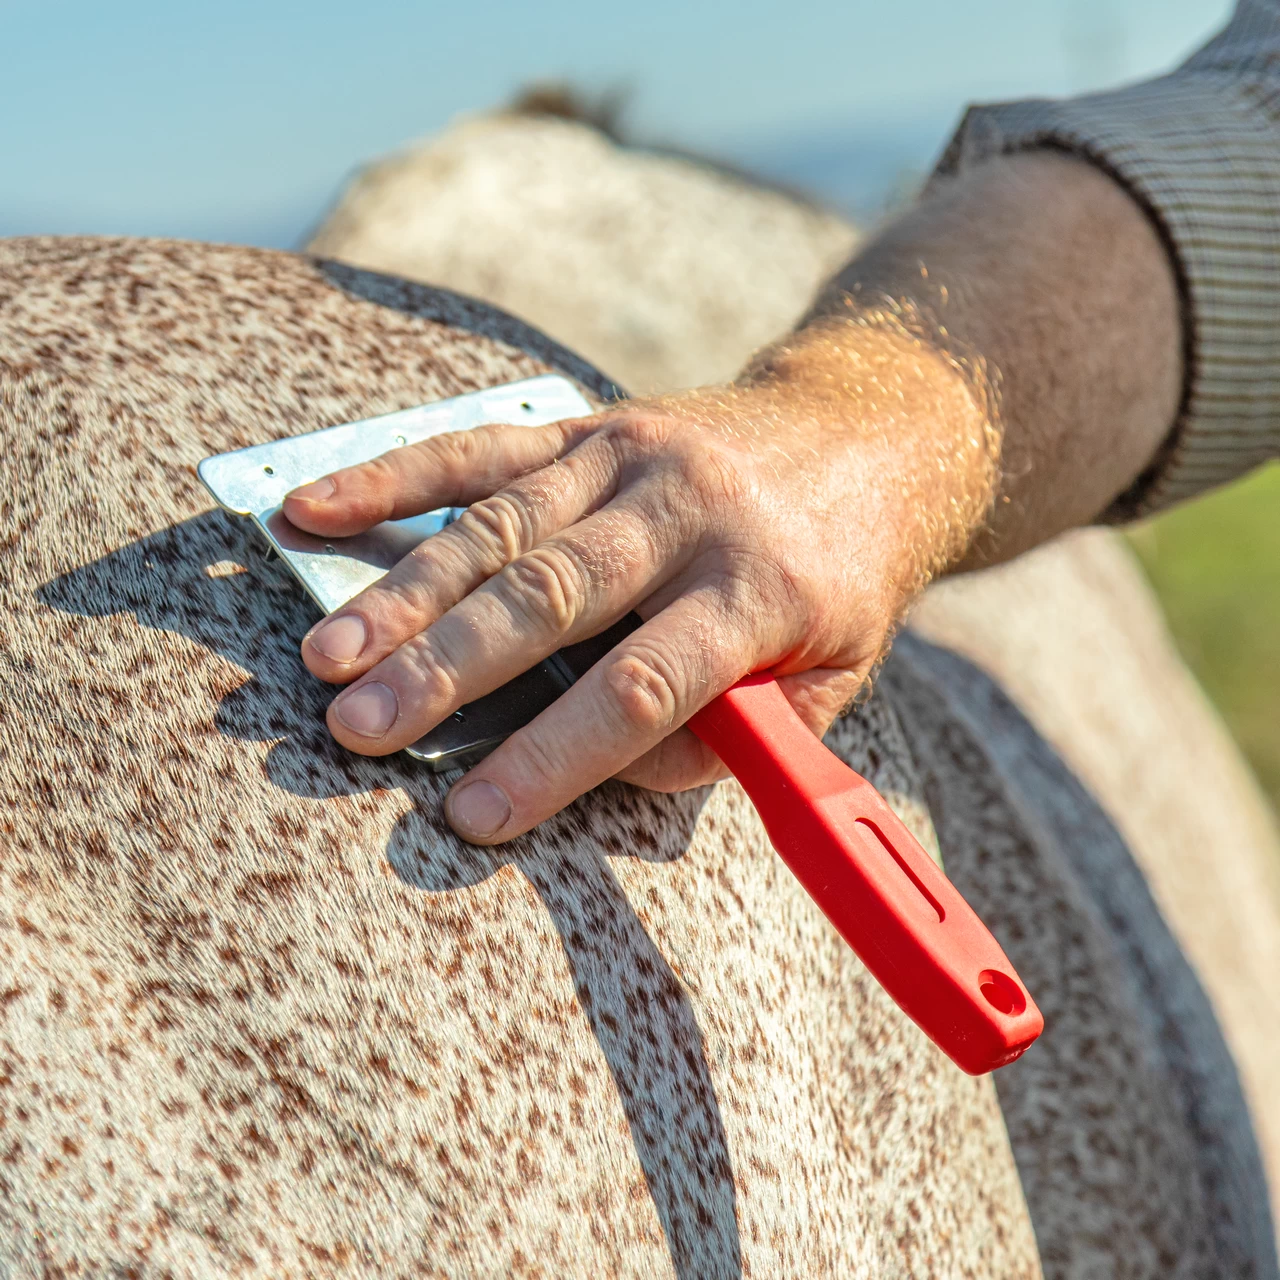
(1041, 284)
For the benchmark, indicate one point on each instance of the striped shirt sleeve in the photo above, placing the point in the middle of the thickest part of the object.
(1200, 150)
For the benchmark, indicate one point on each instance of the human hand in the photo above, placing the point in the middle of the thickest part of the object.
(780, 523)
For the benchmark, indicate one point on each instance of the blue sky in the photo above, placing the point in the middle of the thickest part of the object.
(239, 121)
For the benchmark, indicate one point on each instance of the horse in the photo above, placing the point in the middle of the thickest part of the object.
(261, 1013)
(667, 270)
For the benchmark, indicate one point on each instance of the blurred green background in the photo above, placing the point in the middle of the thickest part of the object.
(1215, 564)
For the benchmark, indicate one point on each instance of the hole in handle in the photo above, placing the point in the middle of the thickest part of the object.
(1001, 992)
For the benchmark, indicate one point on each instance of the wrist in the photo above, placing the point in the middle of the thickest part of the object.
(918, 417)
(1051, 270)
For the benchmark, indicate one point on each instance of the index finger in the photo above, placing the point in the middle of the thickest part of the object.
(454, 469)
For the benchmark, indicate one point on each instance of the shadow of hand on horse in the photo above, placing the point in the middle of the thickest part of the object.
(194, 579)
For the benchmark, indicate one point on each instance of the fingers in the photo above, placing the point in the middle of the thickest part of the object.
(446, 470)
(493, 532)
(677, 763)
(683, 760)
(821, 694)
(566, 588)
(626, 704)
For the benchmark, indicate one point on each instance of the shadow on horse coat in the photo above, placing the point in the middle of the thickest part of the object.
(636, 1007)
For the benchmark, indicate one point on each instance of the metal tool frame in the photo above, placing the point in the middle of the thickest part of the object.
(253, 482)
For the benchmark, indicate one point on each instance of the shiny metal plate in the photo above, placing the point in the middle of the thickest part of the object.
(253, 482)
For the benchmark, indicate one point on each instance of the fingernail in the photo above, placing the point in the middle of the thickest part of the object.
(369, 710)
(341, 639)
(316, 491)
(477, 810)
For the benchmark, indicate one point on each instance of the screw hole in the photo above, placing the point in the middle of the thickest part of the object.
(328, 546)
(269, 470)
(526, 406)
(401, 440)
(1001, 992)
(459, 717)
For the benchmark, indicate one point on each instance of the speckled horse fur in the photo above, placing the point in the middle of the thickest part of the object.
(261, 1014)
(667, 272)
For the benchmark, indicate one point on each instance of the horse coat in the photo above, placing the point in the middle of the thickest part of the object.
(666, 273)
(262, 1014)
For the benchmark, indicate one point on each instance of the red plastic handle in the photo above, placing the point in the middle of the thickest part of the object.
(886, 897)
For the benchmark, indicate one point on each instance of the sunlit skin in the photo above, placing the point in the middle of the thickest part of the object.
(994, 368)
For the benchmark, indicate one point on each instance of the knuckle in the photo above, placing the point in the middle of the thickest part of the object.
(639, 435)
(456, 449)
(719, 479)
(405, 594)
(449, 456)
(548, 584)
(500, 527)
(767, 594)
(429, 668)
(696, 470)
(795, 586)
(779, 577)
(382, 474)
(539, 758)
(644, 690)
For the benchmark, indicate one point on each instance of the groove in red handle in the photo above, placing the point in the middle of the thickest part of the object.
(886, 897)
